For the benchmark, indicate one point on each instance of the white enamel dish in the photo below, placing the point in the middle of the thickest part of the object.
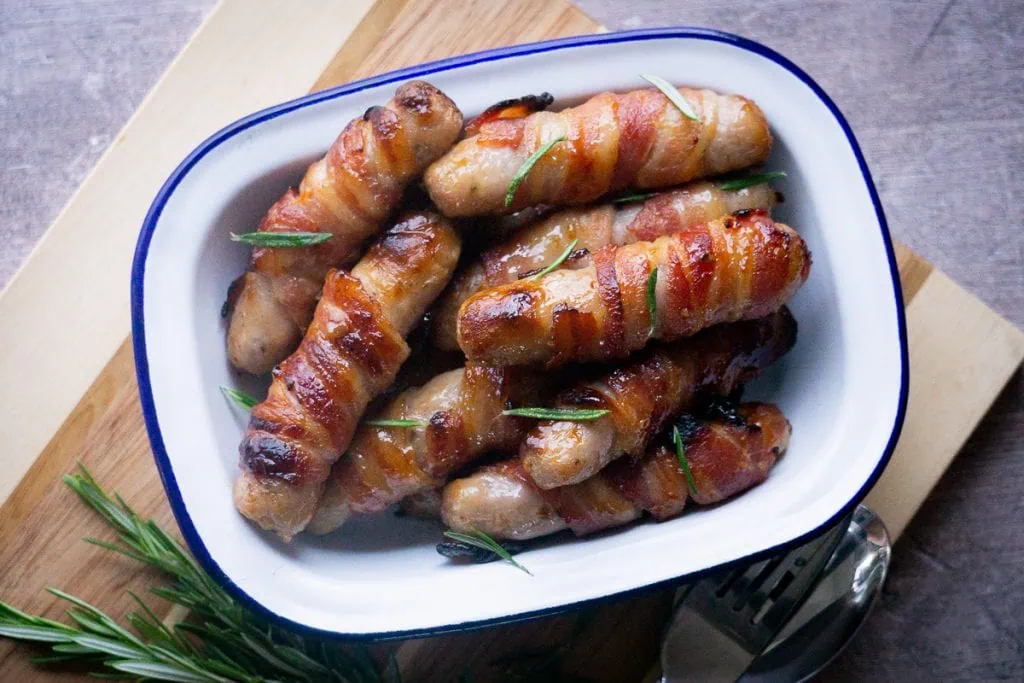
(843, 387)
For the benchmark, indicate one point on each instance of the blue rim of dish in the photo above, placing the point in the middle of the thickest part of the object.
(188, 529)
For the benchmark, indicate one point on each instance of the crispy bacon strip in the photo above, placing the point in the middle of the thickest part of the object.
(642, 394)
(725, 459)
(595, 227)
(351, 352)
(516, 108)
(462, 411)
(348, 193)
(736, 268)
(613, 141)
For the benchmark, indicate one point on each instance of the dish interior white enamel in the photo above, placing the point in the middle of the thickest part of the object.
(839, 386)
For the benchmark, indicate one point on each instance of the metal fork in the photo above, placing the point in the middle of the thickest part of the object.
(722, 623)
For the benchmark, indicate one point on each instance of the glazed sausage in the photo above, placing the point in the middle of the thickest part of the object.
(348, 193)
(740, 267)
(724, 458)
(537, 246)
(613, 141)
(643, 393)
(461, 416)
(350, 353)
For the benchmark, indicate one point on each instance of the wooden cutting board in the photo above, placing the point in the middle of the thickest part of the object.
(251, 54)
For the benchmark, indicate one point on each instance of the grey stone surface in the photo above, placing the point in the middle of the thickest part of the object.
(71, 73)
(934, 91)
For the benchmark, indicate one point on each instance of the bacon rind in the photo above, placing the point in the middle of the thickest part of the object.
(515, 108)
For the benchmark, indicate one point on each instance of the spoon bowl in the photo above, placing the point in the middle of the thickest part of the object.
(835, 610)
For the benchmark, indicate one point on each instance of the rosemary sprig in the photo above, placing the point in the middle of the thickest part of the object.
(750, 181)
(241, 398)
(527, 166)
(481, 540)
(684, 464)
(632, 197)
(286, 240)
(652, 303)
(570, 414)
(221, 642)
(556, 263)
(397, 423)
(672, 93)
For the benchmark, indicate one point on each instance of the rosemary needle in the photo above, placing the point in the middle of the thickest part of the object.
(287, 240)
(569, 414)
(527, 166)
(672, 93)
(749, 181)
(481, 540)
(652, 303)
(684, 464)
(556, 263)
(241, 398)
(397, 423)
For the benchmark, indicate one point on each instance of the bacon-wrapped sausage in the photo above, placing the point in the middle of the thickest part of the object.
(350, 353)
(645, 392)
(348, 193)
(461, 418)
(613, 141)
(724, 458)
(740, 267)
(537, 246)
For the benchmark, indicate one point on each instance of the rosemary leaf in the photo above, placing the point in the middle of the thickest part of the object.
(652, 302)
(282, 240)
(749, 181)
(41, 634)
(241, 398)
(482, 540)
(108, 646)
(397, 423)
(161, 672)
(570, 414)
(556, 263)
(521, 174)
(221, 642)
(633, 197)
(684, 464)
(672, 93)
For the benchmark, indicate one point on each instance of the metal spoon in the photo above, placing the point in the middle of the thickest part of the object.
(836, 608)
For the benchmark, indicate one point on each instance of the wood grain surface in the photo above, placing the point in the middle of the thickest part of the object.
(40, 523)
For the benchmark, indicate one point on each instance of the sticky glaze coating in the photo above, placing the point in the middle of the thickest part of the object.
(349, 193)
(535, 247)
(462, 411)
(643, 393)
(638, 139)
(351, 352)
(724, 458)
(740, 267)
